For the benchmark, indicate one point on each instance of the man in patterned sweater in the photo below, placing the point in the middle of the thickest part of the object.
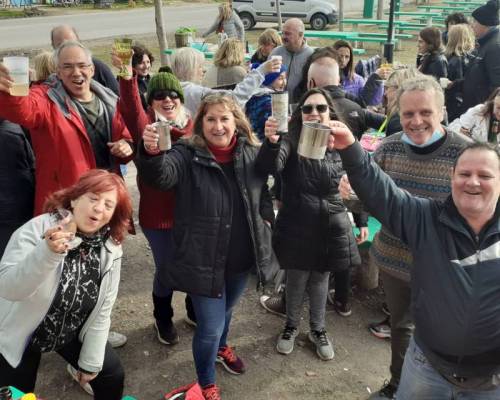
(419, 159)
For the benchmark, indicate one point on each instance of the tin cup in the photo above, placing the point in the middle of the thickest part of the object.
(163, 131)
(313, 140)
(279, 104)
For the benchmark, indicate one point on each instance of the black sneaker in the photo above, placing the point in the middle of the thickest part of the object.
(343, 309)
(166, 332)
(382, 329)
(388, 391)
(275, 304)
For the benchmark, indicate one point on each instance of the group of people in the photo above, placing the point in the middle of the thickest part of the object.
(207, 211)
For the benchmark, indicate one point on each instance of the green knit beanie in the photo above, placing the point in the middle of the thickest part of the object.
(164, 81)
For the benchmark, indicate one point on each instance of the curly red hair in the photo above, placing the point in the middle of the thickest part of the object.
(98, 181)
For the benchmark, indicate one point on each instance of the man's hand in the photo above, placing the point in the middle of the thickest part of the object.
(363, 235)
(271, 130)
(120, 149)
(84, 378)
(6, 81)
(342, 135)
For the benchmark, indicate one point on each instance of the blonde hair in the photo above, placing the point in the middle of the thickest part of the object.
(270, 36)
(461, 40)
(396, 79)
(229, 102)
(225, 11)
(43, 64)
(230, 53)
(185, 62)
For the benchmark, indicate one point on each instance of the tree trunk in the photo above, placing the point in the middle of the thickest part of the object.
(160, 32)
(380, 9)
(278, 13)
(341, 15)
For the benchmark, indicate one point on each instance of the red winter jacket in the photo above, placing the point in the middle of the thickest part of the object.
(156, 208)
(63, 150)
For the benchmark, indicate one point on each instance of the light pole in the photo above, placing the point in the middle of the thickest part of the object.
(389, 45)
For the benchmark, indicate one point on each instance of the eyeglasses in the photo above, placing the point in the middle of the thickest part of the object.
(67, 68)
(308, 108)
(163, 94)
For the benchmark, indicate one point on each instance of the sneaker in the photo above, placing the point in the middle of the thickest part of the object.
(74, 374)
(324, 348)
(388, 391)
(116, 339)
(343, 309)
(286, 340)
(180, 393)
(231, 362)
(166, 332)
(382, 330)
(385, 309)
(275, 304)
(211, 392)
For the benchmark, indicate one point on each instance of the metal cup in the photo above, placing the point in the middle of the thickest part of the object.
(164, 140)
(279, 104)
(313, 140)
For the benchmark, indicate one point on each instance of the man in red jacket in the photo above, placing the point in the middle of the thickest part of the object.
(73, 120)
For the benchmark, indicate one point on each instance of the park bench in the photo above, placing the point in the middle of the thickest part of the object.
(464, 3)
(447, 9)
(423, 16)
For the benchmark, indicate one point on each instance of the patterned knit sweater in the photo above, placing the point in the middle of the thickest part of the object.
(424, 175)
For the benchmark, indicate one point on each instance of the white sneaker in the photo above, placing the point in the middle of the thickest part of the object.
(116, 339)
(73, 372)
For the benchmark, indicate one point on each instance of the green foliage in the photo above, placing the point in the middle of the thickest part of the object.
(185, 30)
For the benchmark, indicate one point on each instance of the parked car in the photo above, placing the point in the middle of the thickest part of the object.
(317, 13)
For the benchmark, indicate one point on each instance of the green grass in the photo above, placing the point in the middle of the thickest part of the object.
(11, 13)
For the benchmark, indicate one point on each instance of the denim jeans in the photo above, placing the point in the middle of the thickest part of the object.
(213, 316)
(419, 380)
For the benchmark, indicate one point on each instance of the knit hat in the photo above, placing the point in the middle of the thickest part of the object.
(164, 80)
(487, 14)
(272, 76)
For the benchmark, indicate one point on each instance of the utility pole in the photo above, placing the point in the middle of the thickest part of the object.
(389, 45)
(160, 32)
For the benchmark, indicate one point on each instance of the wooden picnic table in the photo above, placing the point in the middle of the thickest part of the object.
(418, 15)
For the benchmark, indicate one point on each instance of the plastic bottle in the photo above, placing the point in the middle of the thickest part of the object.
(5, 393)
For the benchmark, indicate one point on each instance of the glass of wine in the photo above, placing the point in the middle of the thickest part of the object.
(66, 219)
(123, 49)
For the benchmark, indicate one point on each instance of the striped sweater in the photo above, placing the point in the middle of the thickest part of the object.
(424, 175)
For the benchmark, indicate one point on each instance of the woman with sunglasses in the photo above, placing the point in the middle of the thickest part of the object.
(222, 227)
(313, 234)
(165, 99)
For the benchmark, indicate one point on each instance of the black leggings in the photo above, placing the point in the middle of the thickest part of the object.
(107, 385)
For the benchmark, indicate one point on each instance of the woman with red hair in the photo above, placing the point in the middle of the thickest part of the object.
(59, 279)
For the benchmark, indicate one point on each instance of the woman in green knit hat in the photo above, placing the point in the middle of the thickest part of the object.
(165, 99)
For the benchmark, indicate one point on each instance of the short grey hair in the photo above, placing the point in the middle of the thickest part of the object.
(422, 83)
(185, 61)
(324, 74)
(67, 44)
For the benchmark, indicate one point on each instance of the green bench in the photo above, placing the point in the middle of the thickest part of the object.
(427, 16)
(465, 3)
(17, 394)
(447, 9)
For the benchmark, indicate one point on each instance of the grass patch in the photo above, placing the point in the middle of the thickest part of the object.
(11, 13)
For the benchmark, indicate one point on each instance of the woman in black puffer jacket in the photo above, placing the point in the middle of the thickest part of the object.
(222, 223)
(430, 59)
(313, 234)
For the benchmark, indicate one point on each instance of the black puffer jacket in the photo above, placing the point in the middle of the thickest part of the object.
(203, 213)
(434, 64)
(482, 75)
(312, 231)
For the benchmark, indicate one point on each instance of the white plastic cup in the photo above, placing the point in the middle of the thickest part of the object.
(313, 140)
(444, 82)
(279, 104)
(19, 71)
(164, 139)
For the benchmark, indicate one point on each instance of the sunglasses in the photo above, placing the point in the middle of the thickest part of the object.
(163, 94)
(308, 108)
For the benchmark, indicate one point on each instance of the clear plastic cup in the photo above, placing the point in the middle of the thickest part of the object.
(19, 71)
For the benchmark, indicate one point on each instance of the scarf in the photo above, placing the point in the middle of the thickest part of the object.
(223, 154)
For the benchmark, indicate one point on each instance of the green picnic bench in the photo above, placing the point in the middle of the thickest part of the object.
(445, 10)
(465, 3)
(357, 37)
(427, 16)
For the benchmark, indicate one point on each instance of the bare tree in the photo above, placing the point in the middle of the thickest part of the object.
(278, 13)
(160, 32)
(380, 9)
(341, 15)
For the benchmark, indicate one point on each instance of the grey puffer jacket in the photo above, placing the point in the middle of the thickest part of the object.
(233, 27)
(456, 274)
(203, 213)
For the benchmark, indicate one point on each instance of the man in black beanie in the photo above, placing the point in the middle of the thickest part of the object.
(483, 73)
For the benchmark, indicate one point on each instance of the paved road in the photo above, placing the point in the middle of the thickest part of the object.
(34, 32)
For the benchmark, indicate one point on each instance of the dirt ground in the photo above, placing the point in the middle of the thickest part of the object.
(152, 369)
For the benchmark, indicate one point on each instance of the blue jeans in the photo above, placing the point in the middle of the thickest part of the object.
(162, 245)
(213, 317)
(419, 380)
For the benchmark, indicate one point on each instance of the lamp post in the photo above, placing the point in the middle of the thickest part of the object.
(389, 45)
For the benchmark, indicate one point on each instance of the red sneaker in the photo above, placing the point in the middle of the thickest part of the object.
(228, 358)
(211, 392)
(181, 392)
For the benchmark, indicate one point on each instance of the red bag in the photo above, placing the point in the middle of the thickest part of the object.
(187, 392)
